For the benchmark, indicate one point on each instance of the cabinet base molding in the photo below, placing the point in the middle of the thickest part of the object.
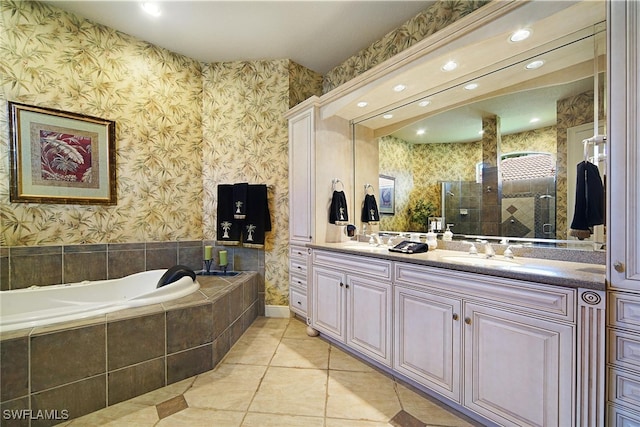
(281, 311)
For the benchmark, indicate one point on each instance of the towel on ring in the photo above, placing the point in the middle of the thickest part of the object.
(240, 200)
(227, 229)
(258, 219)
(338, 213)
(370, 212)
(589, 207)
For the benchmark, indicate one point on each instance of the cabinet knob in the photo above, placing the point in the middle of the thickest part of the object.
(341, 284)
(299, 303)
(619, 266)
(467, 320)
(455, 316)
(346, 286)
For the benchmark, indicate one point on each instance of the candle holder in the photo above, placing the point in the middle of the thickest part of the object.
(224, 268)
(207, 265)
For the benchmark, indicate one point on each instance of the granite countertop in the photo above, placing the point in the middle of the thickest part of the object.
(551, 272)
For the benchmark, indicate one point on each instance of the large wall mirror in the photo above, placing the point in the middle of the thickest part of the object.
(496, 154)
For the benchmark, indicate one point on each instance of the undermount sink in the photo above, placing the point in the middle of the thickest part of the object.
(479, 261)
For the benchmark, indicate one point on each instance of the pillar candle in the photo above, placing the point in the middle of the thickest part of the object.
(208, 253)
(223, 257)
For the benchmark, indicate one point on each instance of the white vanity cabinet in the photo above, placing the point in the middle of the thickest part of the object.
(428, 339)
(298, 270)
(623, 225)
(503, 350)
(351, 302)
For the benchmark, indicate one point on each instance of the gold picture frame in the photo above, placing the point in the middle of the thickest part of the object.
(61, 157)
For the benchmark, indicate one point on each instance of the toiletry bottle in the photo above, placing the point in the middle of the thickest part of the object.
(432, 242)
(447, 236)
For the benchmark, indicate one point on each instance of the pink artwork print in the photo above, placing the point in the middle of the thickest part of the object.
(65, 157)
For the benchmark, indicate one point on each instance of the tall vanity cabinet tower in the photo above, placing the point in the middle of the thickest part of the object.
(623, 266)
(320, 151)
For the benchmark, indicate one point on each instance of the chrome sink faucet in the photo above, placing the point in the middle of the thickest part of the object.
(488, 249)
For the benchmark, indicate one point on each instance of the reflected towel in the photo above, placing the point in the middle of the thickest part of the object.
(338, 213)
(258, 220)
(589, 207)
(240, 200)
(227, 228)
(370, 212)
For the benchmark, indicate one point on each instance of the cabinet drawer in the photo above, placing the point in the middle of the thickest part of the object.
(624, 310)
(624, 349)
(298, 267)
(618, 416)
(298, 252)
(551, 301)
(367, 266)
(624, 387)
(298, 300)
(298, 280)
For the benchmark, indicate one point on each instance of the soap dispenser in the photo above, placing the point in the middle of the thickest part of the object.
(432, 242)
(447, 236)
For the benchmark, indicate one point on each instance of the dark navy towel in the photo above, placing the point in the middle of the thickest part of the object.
(240, 200)
(258, 220)
(370, 212)
(589, 207)
(228, 228)
(338, 213)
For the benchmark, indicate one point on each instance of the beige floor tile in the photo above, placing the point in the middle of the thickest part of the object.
(341, 422)
(429, 411)
(267, 326)
(342, 361)
(124, 413)
(228, 387)
(274, 420)
(163, 394)
(292, 391)
(253, 350)
(195, 417)
(297, 353)
(361, 395)
(297, 329)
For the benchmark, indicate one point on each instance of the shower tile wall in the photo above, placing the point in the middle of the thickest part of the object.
(529, 208)
(463, 205)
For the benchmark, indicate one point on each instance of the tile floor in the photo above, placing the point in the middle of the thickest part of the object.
(276, 375)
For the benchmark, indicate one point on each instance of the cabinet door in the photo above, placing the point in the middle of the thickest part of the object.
(327, 301)
(369, 317)
(428, 340)
(518, 369)
(301, 171)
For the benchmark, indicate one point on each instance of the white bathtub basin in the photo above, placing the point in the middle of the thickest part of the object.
(479, 260)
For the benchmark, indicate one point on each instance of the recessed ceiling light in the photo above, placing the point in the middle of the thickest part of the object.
(521, 34)
(420, 132)
(534, 64)
(387, 116)
(471, 86)
(399, 88)
(450, 66)
(362, 104)
(152, 8)
(424, 103)
(534, 120)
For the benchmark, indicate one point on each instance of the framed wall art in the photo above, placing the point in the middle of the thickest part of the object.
(387, 187)
(61, 157)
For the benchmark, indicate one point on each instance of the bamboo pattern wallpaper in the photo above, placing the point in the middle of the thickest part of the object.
(429, 21)
(55, 59)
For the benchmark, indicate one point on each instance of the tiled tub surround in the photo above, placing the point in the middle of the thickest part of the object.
(87, 365)
(21, 266)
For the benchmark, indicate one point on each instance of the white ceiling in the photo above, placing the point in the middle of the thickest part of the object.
(317, 34)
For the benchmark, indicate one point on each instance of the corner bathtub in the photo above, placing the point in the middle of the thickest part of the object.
(43, 305)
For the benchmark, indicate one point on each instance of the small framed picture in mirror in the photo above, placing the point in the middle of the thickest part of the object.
(387, 186)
